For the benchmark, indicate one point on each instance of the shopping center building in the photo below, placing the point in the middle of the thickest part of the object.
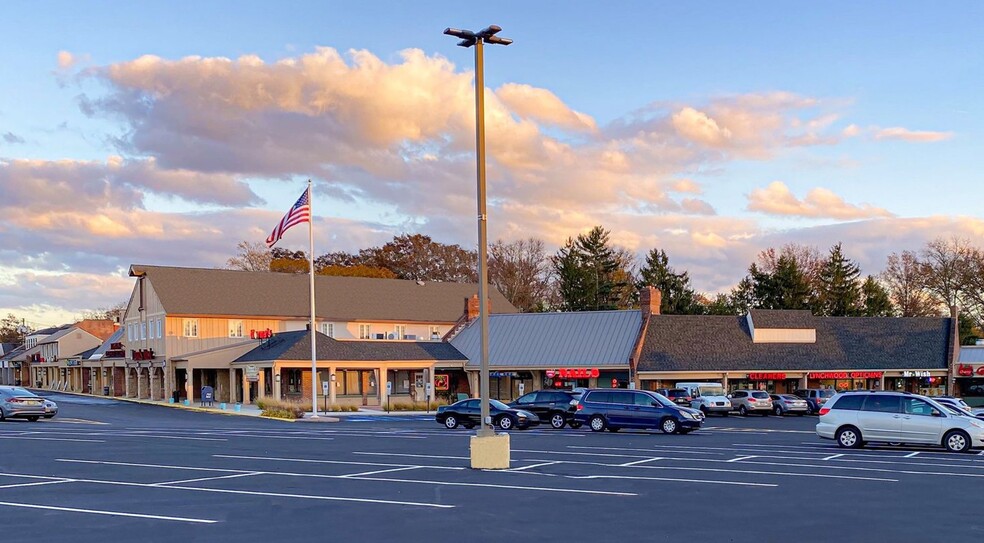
(781, 351)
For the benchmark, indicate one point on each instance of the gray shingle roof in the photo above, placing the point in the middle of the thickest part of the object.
(201, 291)
(552, 340)
(297, 346)
(723, 343)
(776, 318)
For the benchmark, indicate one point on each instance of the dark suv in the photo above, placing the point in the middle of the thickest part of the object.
(680, 396)
(554, 407)
(615, 409)
(815, 398)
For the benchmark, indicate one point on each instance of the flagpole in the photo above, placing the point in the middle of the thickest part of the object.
(314, 332)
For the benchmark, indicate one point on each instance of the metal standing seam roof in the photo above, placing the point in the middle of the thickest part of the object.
(100, 351)
(971, 354)
(203, 291)
(297, 346)
(552, 340)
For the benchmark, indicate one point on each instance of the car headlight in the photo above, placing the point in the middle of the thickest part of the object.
(690, 415)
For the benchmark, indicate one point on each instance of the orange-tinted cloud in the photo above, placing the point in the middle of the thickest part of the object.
(777, 199)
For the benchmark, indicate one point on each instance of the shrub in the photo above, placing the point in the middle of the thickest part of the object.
(281, 414)
(280, 408)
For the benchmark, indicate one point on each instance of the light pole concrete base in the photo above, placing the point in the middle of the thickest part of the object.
(490, 452)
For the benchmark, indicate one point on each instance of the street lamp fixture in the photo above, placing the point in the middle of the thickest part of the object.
(477, 39)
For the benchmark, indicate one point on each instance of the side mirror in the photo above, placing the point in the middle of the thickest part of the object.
(729, 396)
(937, 413)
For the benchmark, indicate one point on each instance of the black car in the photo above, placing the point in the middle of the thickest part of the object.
(614, 409)
(554, 407)
(815, 398)
(468, 413)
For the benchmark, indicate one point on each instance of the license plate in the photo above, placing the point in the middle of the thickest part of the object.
(29, 402)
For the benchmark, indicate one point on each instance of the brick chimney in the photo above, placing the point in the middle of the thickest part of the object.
(471, 308)
(650, 299)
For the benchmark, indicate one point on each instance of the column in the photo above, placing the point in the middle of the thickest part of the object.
(805, 382)
(381, 385)
(473, 383)
(190, 383)
(332, 386)
(245, 389)
(276, 383)
(233, 397)
(261, 385)
(153, 383)
(126, 382)
(140, 391)
(724, 382)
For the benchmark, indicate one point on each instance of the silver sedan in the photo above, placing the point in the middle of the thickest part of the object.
(787, 403)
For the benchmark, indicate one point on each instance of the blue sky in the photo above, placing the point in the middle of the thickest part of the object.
(892, 87)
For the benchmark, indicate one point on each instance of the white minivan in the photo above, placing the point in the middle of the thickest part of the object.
(855, 418)
(708, 397)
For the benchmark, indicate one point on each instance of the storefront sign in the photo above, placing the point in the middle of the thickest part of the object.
(915, 374)
(966, 370)
(847, 375)
(576, 373)
(252, 373)
(441, 381)
(766, 376)
(495, 374)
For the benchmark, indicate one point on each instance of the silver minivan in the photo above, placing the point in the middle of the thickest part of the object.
(855, 418)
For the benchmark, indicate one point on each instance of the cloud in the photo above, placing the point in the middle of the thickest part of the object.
(777, 199)
(65, 59)
(904, 134)
(12, 138)
(544, 106)
(698, 127)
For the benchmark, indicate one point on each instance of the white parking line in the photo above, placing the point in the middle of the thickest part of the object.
(637, 462)
(343, 462)
(109, 513)
(831, 457)
(531, 466)
(38, 483)
(377, 472)
(670, 479)
(233, 476)
(740, 458)
(54, 439)
(911, 455)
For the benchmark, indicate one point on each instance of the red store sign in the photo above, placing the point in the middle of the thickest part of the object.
(966, 370)
(766, 376)
(573, 373)
(847, 375)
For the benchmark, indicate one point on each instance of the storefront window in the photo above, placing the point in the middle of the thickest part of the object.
(972, 391)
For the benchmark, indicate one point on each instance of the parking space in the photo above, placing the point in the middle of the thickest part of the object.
(104, 469)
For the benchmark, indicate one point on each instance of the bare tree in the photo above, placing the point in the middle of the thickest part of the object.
(521, 271)
(946, 270)
(251, 257)
(808, 259)
(905, 286)
(974, 295)
(112, 313)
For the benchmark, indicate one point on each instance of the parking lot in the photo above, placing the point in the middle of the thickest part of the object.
(111, 469)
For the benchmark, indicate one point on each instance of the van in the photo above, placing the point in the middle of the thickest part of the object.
(614, 409)
(709, 397)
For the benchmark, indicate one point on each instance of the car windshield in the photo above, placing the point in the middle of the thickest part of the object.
(15, 391)
(953, 410)
(826, 393)
(711, 391)
(662, 399)
(499, 405)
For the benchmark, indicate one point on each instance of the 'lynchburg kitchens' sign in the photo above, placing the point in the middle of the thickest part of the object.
(847, 375)
(966, 370)
(574, 373)
(116, 350)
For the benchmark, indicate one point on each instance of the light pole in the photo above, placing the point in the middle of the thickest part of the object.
(477, 39)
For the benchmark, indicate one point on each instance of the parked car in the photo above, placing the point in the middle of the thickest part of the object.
(554, 407)
(787, 403)
(708, 397)
(614, 409)
(50, 408)
(679, 396)
(858, 417)
(959, 405)
(468, 413)
(815, 398)
(16, 402)
(751, 401)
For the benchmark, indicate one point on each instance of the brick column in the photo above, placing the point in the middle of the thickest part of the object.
(190, 383)
(233, 397)
(245, 389)
(276, 383)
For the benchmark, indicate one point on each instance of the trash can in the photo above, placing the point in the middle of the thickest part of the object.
(105, 391)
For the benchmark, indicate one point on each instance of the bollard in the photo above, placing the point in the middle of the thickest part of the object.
(170, 400)
(238, 407)
(222, 406)
(187, 402)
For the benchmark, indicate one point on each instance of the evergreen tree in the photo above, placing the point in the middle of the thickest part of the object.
(678, 296)
(592, 275)
(838, 291)
(787, 287)
(570, 274)
(877, 301)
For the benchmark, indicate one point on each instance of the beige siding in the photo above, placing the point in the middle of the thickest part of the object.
(212, 333)
(784, 335)
(152, 311)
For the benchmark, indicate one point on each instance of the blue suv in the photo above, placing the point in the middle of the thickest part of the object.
(615, 409)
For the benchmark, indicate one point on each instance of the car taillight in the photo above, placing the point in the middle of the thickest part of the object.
(15, 400)
(824, 411)
(579, 406)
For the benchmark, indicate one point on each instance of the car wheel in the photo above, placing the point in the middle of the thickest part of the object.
(451, 422)
(505, 422)
(557, 421)
(575, 424)
(669, 425)
(742, 410)
(956, 441)
(809, 409)
(778, 411)
(33, 419)
(2, 416)
(597, 423)
(849, 437)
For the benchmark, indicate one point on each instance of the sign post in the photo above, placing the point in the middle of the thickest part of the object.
(430, 390)
(324, 391)
(522, 388)
(389, 392)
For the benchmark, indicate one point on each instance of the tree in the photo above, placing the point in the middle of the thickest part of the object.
(571, 277)
(837, 291)
(876, 300)
(678, 298)
(521, 272)
(904, 283)
(808, 259)
(10, 329)
(592, 274)
(286, 261)
(974, 295)
(251, 257)
(419, 258)
(946, 270)
(358, 270)
(340, 258)
(786, 287)
(113, 313)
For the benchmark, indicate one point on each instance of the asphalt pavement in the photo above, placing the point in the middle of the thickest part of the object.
(109, 470)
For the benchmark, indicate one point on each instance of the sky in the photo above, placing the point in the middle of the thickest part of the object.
(166, 133)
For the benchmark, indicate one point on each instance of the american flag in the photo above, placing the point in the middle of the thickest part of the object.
(301, 212)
